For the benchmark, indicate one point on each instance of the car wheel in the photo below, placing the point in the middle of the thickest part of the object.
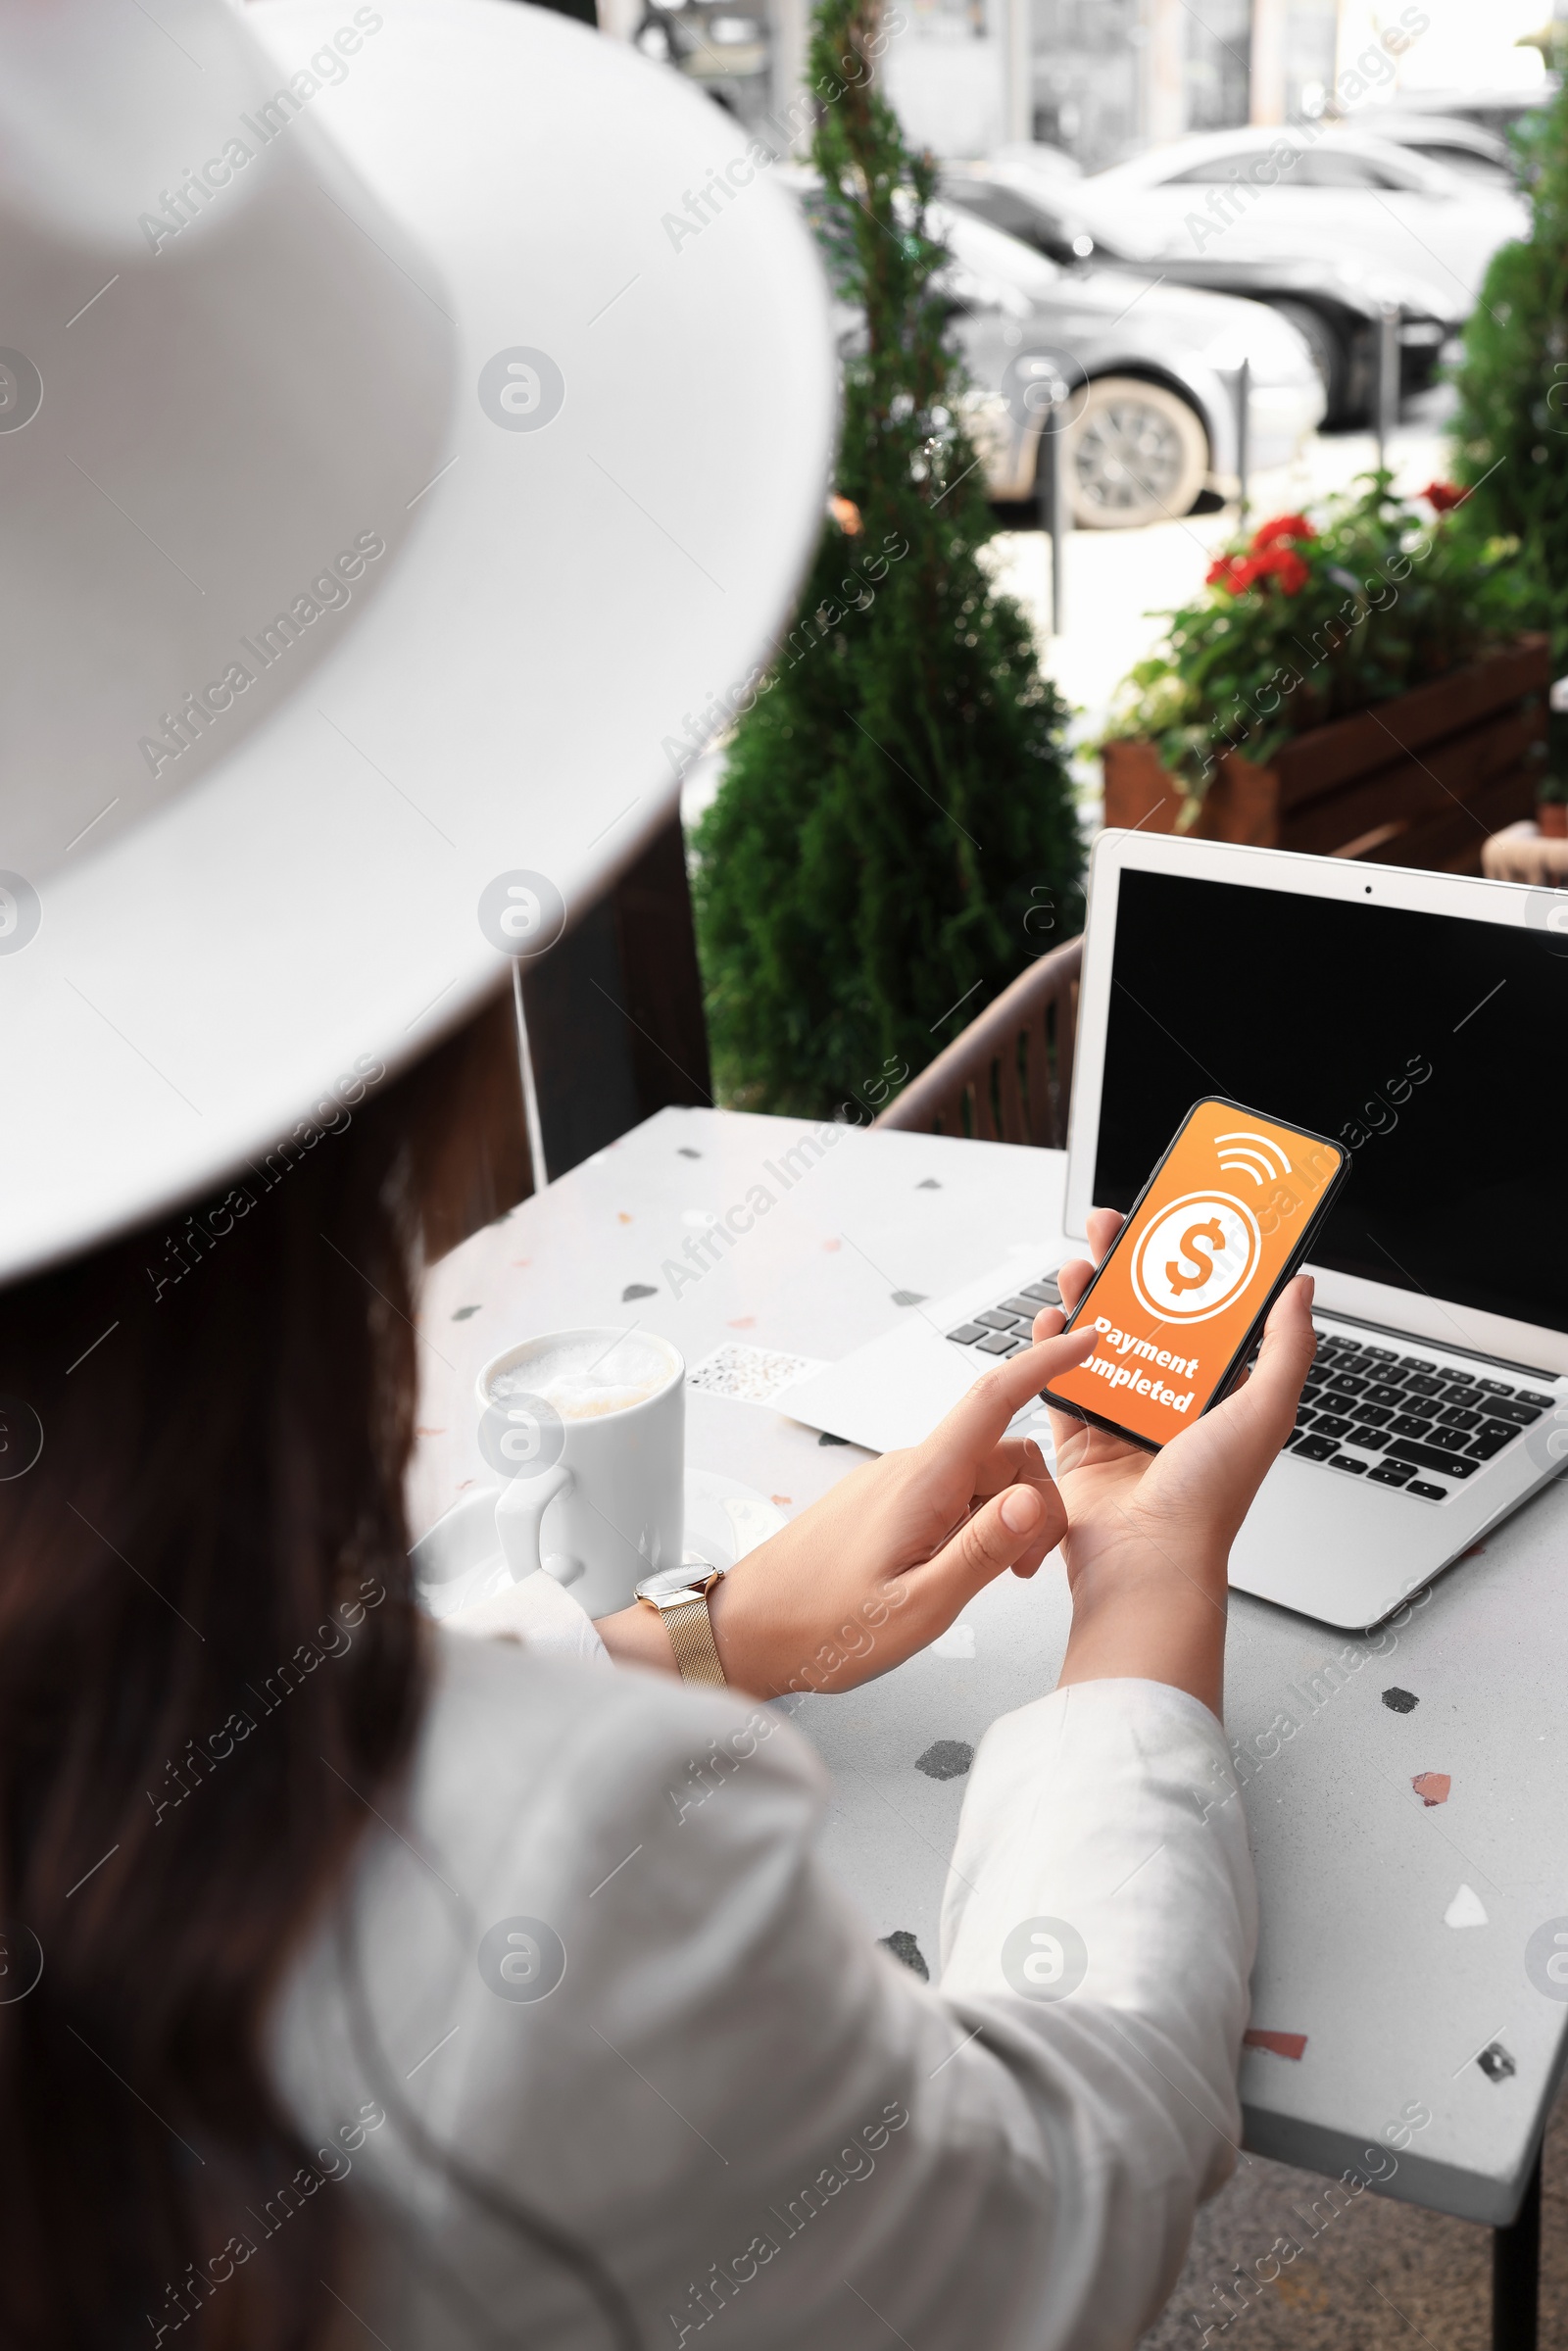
(1135, 454)
(1330, 357)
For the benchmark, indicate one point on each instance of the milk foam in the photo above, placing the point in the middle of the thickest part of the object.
(585, 1381)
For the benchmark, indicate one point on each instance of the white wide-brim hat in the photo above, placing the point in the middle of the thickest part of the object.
(413, 422)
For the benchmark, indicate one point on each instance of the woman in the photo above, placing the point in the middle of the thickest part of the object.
(267, 1838)
(374, 522)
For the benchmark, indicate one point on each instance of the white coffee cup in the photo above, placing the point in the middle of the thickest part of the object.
(587, 1431)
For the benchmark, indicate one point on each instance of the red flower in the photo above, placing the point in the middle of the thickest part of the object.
(1283, 527)
(1443, 496)
(1287, 568)
(1236, 573)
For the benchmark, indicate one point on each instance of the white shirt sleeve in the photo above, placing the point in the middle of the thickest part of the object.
(770, 2133)
(1100, 1900)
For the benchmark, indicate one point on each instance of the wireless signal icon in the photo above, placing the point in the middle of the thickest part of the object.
(1252, 1155)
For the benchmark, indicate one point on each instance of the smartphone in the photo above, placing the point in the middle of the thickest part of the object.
(1211, 1240)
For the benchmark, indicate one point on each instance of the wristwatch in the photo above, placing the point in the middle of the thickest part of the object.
(680, 1595)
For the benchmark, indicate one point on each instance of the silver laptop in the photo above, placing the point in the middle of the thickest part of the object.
(1423, 1019)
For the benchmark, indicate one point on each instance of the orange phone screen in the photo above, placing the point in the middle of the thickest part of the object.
(1194, 1265)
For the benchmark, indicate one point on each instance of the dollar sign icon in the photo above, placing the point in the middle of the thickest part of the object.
(1192, 1245)
(1195, 1256)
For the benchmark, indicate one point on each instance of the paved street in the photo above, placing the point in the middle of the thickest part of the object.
(1368, 2274)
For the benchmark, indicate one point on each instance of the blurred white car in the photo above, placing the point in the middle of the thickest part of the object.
(1296, 191)
(1151, 414)
(1462, 147)
(1044, 161)
(1335, 300)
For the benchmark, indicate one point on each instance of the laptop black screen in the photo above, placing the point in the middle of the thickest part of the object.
(1437, 1049)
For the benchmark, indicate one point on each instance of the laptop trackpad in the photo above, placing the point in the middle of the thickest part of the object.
(1335, 1548)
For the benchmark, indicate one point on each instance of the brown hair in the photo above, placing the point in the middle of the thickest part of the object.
(210, 1661)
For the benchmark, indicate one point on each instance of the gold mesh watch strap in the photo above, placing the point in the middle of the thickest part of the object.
(691, 1637)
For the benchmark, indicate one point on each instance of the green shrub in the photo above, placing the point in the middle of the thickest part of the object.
(894, 804)
(1511, 431)
(1309, 620)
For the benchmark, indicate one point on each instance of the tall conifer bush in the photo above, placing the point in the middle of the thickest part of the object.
(1511, 431)
(896, 803)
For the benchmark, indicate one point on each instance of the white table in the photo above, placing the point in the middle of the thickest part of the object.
(1355, 1872)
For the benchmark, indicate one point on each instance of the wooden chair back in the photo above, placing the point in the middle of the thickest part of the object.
(1007, 1078)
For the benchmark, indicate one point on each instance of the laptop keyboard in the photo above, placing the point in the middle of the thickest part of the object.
(1410, 1422)
(1003, 1329)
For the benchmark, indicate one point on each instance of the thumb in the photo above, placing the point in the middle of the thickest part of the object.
(1015, 1528)
(1274, 1385)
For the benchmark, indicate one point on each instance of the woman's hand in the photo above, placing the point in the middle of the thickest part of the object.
(880, 1566)
(1149, 1533)
(885, 1562)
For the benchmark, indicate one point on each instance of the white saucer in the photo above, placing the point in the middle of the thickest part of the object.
(459, 1561)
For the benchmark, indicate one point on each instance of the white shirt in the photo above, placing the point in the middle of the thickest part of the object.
(767, 2130)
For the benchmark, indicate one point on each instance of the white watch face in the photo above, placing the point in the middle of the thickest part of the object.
(693, 1576)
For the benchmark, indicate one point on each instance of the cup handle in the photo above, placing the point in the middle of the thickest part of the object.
(521, 1507)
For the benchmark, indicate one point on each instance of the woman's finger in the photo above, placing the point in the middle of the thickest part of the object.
(1020, 1461)
(1073, 1279)
(1016, 1461)
(1102, 1226)
(1051, 1530)
(1273, 1387)
(1022, 1522)
(979, 1420)
(1220, 1464)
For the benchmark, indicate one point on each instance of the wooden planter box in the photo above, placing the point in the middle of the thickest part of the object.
(1420, 780)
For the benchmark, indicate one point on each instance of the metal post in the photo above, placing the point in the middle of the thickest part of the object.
(1387, 388)
(1041, 387)
(1061, 515)
(1516, 2273)
(1243, 389)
